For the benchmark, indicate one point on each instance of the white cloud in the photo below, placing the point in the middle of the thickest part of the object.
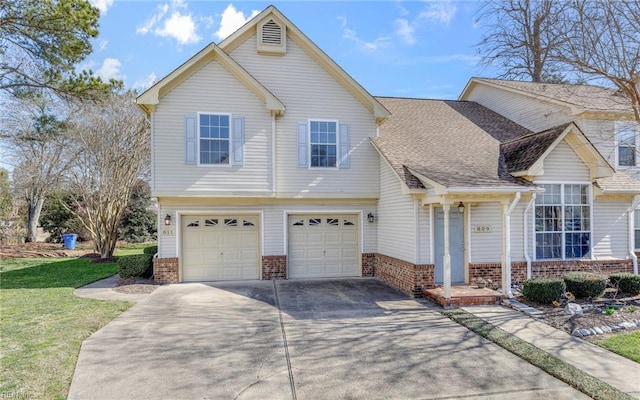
(102, 44)
(102, 5)
(146, 82)
(439, 11)
(180, 27)
(232, 20)
(170, 21)
(110, 68)
(378, 43)
(405, 31)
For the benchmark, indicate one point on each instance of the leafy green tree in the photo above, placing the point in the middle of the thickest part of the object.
(42, 41)
(139, 222)
(57, 219)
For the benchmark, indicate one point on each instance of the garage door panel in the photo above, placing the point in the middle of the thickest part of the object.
(323, 246)
(220, 247)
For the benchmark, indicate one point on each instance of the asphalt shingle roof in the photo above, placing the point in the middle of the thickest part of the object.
(521, 153)
(589, 97)
(454, 143)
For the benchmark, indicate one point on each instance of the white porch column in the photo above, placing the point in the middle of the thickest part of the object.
(507, 209)
(446, 262)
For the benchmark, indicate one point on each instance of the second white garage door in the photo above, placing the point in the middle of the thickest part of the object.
(323, 246)
(220, 247)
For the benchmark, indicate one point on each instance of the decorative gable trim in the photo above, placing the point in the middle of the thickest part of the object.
(151, 97)
(271, 37)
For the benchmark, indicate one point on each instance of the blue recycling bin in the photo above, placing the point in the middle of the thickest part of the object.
(69, 240)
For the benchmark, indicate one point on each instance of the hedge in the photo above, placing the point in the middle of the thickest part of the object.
(138, 265)
(626, 283)
(151, 250)
(543, 290)
(585, 284)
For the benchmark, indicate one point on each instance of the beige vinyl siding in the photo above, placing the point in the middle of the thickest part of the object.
(610, 234)
(529, 112)
(602, 133)
(396, 218)
(424, 234)
(564, 165)
(486, 247)
(274, 218)
(211, 89)
(517, 231)
(309, 92)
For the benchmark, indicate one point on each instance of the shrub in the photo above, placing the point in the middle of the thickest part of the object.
(543, 290)
(585, 284)
(150, 250)
(139, 265)
(626, 283)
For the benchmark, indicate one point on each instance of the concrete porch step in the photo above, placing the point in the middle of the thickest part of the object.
(462, 296)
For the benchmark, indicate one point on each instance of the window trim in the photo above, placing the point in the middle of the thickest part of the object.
(590, 254)
(229, 139)
(337, 143)
(636, 228)
(635, 126)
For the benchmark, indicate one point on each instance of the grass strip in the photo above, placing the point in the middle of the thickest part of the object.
(561, 370)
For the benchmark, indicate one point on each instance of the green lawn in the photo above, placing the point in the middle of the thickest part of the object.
(42, 323)
(625, 344)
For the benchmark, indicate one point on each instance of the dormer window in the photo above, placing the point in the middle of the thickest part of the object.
(272, 37)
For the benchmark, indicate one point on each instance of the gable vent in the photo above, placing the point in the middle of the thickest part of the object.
(271, 33)
(272, 38)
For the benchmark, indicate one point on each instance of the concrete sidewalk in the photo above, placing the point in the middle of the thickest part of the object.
(103, 290)
(611, 368)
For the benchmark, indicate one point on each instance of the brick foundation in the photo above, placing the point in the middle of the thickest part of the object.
(405, 276)
(368, 264)
(165, 270)
(557, 269)
(274, 267)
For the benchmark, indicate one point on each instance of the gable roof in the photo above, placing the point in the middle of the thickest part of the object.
(580, 98)
(313, 51)
(447, 143)
(454, 146)
(151, 97)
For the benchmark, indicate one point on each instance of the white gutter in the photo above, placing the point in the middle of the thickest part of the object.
(526, 231)
(273, 153)
(631, 233)
(507, 247)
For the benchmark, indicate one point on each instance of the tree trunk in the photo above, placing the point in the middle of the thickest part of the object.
(34, 206)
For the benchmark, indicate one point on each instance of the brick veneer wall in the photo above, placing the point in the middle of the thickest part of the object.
(405, 276)
(557, 269)
(165, 270)
(368, 264)
(274, 267)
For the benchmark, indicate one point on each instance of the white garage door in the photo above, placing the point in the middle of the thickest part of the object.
(220, 247)
(323, 246)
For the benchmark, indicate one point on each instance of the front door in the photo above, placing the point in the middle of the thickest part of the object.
(456, 245)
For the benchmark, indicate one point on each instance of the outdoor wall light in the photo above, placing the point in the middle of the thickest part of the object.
(460, 207)
(167, 220)
(371, 217)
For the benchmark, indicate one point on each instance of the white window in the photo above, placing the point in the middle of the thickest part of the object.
(323, 143)
(626, 133)
(213, 138)
(563, 222)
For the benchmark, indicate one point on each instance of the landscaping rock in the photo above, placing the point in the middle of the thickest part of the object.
(576, 332)
(573, 309)
(606, 329)
(598, 330)
(627, 325)
(585, 332)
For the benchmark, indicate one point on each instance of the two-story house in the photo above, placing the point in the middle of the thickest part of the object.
(269, 161)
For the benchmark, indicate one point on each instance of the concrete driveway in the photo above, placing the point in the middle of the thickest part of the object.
(342, 339)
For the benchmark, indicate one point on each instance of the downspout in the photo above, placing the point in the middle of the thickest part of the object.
(526, 232)
(507, 245)
(631, 234)
(273, 154)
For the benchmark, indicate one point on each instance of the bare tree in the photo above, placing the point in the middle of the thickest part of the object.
(113, 151)
(519, 37)
(602, 43)
(34, 137)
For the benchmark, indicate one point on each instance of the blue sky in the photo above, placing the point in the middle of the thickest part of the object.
(393, 48)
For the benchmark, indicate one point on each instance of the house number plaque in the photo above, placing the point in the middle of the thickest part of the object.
(481, 228)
